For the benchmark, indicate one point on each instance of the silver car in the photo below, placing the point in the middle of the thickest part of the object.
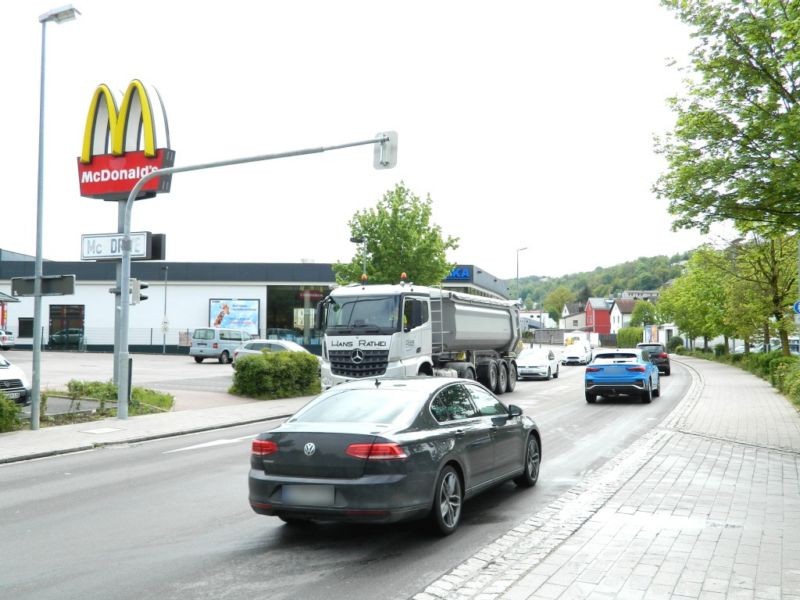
(258, 346)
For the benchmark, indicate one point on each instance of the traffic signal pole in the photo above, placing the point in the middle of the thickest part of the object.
(385, 157)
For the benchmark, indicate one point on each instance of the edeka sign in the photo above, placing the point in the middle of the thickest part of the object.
(120, 146)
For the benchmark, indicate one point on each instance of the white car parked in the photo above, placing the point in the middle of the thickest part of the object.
(540, 363)
(6, 339)
(13, 383)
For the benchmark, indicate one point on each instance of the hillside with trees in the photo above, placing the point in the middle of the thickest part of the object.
(646, 273)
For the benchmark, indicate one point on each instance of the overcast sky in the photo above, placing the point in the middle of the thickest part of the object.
(529, 124)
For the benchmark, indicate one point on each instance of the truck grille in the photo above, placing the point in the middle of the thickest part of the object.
(359, 363)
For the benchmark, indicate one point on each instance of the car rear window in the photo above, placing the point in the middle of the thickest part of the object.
(203, 334)
(362, 406)
(615, 357)
(653, 348)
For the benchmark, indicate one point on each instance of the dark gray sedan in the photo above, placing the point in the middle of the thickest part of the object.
(392, 449)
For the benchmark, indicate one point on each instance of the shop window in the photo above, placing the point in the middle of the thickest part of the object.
(25, 327)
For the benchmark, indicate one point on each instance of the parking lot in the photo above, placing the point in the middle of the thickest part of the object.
(203, 385)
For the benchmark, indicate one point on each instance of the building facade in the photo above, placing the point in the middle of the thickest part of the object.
(267, 300)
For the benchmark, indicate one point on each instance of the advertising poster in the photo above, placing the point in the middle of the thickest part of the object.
(234, 314)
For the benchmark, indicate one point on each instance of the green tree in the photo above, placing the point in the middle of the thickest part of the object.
(767, 269)
(400, 238)
(735, 148)
(554, 301)
(644, 313)
(695, 301)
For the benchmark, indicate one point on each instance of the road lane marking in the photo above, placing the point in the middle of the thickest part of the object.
(222, 442)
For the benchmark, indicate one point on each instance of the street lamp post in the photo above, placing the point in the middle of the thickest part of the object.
(518, 251)
(362, 239)
(57, 15)
(165, 321)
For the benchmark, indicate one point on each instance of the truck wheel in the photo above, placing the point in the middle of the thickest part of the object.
(502, 378)
(224, 357)
(466, 372)
(512, 377)
(198, 359)
(487, 374)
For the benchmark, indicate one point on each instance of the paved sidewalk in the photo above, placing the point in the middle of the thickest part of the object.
(707, 505)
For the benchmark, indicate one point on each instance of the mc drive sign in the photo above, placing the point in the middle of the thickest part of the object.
(106, 246)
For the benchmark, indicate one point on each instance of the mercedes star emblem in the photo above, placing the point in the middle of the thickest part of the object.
(357, 356)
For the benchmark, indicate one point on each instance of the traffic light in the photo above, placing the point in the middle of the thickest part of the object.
(136, 291)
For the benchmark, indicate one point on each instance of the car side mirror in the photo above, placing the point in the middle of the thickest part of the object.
(514, 411)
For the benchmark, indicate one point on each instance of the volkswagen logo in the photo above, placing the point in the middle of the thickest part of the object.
(309, 449)
(357, 357)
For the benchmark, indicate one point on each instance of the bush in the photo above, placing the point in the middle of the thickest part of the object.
(9, 414)
(276, 375)
(758, 362)
(143, 400)
(779, 369)
(791, 383)
(628, 337)
(720, 350)
(673, 343)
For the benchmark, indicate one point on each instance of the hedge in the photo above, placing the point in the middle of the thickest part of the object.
(272, 375)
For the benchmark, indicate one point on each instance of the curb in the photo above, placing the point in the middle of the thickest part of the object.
(136, 439)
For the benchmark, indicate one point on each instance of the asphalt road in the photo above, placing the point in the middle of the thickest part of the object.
(169, 519)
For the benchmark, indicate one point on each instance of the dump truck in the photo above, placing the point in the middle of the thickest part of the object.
(404, 330)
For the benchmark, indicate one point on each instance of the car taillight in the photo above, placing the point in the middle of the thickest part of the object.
(215, 345)
(264, 447)
(663, 355)
(636, 368)
(380, 451)
(592, 369)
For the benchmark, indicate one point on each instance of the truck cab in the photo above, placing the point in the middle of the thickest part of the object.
(375, 331)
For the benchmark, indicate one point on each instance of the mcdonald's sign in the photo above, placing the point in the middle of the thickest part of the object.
(120, 146)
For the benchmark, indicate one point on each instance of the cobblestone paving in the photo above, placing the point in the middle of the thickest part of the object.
(705, 506)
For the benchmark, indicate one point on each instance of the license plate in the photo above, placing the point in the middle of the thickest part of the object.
(12, 395)
(308, 495)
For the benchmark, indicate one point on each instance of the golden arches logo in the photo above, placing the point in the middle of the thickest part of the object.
(121, 127)
(120, 145)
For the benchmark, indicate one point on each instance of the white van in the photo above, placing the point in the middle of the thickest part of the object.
(213, 342)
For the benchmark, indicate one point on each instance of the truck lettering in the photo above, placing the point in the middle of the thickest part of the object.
(341, 344)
